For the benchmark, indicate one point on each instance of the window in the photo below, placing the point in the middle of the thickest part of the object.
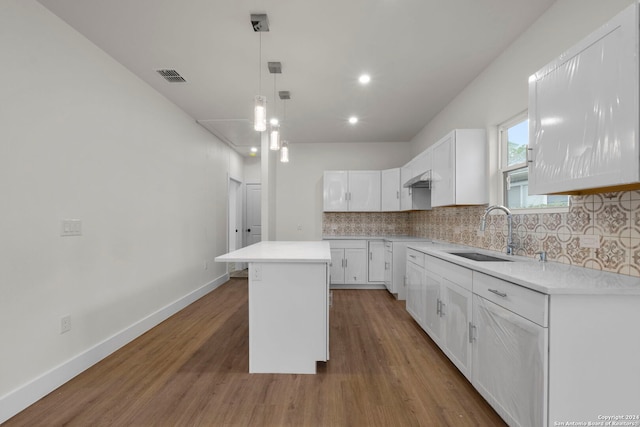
(514, 139)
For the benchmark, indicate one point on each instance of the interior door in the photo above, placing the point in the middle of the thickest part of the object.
(254, 216)
(235, 221)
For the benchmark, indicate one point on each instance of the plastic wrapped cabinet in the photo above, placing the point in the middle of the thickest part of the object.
(583, 114)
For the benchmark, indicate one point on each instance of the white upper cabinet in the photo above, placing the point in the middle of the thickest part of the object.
(405, 195)
(459, 169)
(356, 191)
(583, 113)
(364, 191)
(391, 190)
(336, 191)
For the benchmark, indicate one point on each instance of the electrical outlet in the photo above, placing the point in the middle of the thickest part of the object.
(256, 273)
(590, 241)
(65, 324)
(71, 227)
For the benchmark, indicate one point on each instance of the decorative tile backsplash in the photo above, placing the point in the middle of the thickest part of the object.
(614, 218)
(365, 224)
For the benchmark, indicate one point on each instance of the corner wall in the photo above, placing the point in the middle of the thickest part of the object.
(83, 138)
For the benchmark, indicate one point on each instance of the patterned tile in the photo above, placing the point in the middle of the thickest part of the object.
(611, 254)
(578, 219)
(611, 219)
(613, 216)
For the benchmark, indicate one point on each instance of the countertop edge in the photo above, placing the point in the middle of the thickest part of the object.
(628, 285)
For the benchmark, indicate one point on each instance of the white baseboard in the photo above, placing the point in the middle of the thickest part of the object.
(27, 394)
(362, 286)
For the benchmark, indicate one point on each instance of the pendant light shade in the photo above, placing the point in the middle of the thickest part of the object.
(284, 152)
(260, 113)
(274, 137)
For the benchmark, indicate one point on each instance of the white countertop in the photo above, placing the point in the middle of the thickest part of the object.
(547, 277)
(280, 252)
(387, 238)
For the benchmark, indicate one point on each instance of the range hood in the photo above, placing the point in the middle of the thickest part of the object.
(422, 180)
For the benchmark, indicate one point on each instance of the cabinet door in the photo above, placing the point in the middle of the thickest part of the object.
(334, 191)
(510, 363)
(457, 315)
(388, 270)
(337, 266)
(364, 191)
(583, 110)
(432, 304)
(355, 270)
(415, 298)
(443, 172)
(376, 261)
(405, 193)
(390, 190)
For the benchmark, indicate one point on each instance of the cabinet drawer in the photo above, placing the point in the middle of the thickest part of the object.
(388, 246)
(348, 244)
(461, 276)
(518, 299)
(415, 257)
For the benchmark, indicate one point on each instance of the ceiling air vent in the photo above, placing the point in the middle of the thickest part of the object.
(171, 76)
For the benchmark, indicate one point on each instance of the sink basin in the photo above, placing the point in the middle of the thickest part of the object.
(475, 256)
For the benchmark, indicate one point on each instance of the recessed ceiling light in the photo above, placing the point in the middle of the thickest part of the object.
(353, 120)
(274, 121)
(254, 150)
(364, 79)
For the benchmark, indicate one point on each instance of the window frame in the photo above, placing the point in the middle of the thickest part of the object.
(504, 168)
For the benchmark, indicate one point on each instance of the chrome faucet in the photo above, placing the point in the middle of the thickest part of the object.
(483, 225)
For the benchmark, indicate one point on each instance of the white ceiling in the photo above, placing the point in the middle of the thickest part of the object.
(419, 53)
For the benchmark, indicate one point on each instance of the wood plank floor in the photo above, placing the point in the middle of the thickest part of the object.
(192, 370)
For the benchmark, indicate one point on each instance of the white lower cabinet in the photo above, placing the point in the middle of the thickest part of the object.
(448, 310)
(376, 261)
(388, 268)
(415, 285)
(510, 363)
(349, 262)
(494, 332)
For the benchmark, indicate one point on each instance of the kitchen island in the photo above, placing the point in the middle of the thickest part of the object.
(288, 305)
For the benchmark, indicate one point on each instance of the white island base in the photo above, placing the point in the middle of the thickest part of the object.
(288, 305)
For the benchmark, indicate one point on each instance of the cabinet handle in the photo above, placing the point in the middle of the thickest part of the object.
(442, 306)
(438, 307)
(412, 256)
(342, 262)
(397, 195)
(346, 262)
(370, 256)
(472, 328)
(497, 292)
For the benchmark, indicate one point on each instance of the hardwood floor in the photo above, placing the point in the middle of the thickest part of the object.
(192, 370)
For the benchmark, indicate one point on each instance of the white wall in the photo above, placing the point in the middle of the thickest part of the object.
(81, 137)
(299, 182)
(252, 174)
(501, 90)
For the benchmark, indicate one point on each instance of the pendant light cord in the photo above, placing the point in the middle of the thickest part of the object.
(260, 67)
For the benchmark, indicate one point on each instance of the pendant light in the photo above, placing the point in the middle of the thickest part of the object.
(284, 148)
(275, 68)
(284, 152)
(260, 24)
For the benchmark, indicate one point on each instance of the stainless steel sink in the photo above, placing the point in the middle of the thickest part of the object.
(475, 256)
